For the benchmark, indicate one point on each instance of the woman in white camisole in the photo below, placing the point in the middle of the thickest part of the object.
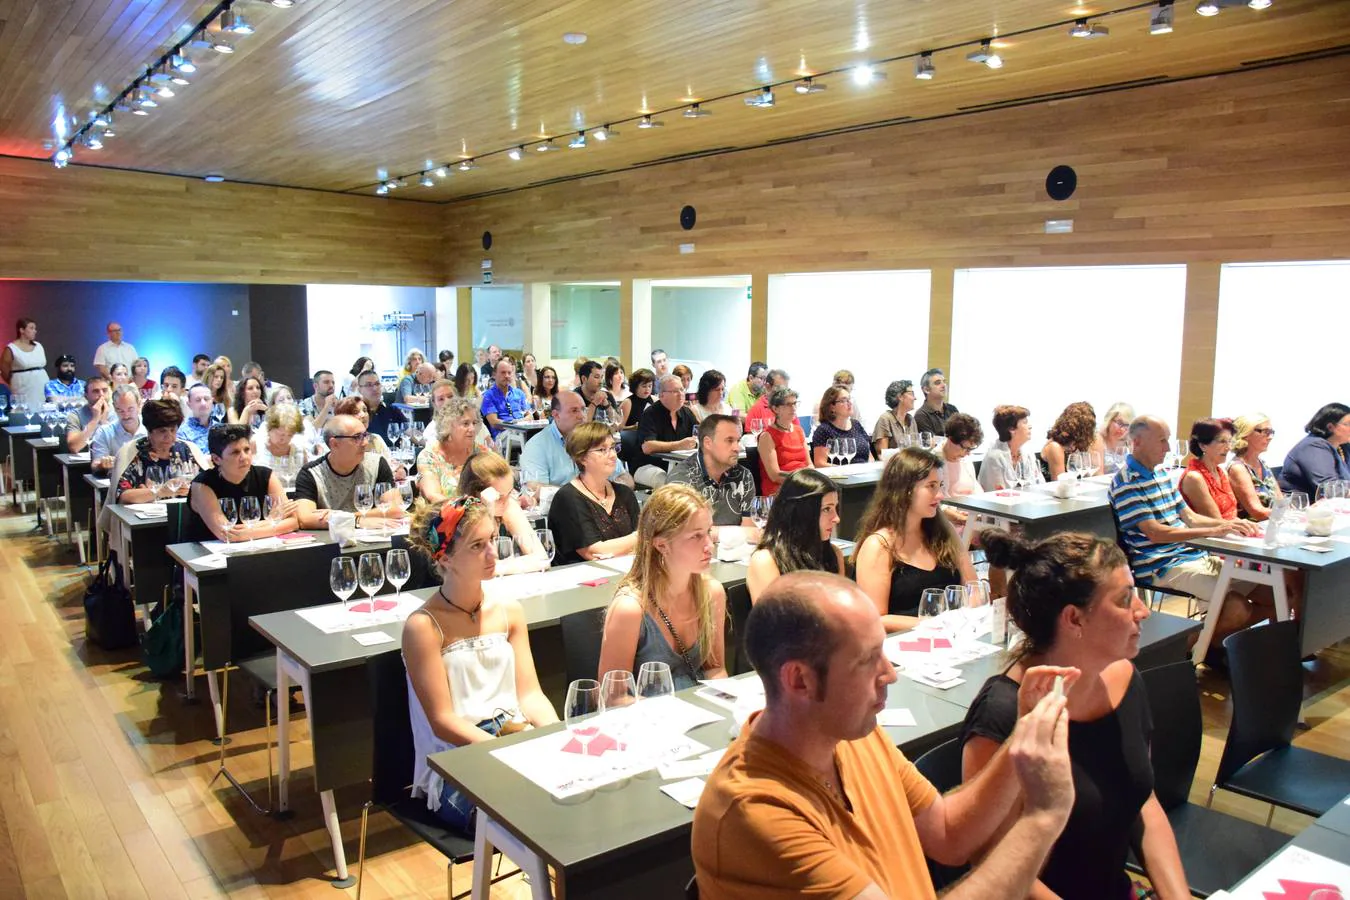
(470, 673)
(23, 365)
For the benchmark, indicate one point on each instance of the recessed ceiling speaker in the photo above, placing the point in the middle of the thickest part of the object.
(487, 240)
(688, 217)
(1061, 183)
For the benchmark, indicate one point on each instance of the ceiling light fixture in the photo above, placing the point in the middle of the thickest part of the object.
(441, 171)
(62, 157)
(183, 63)
(695, 111)
(924, 70)
(865, 74)
(1161, 23)
(145, 99)
(604, 133)
(1207, 7)
(1081, 29)
(762, 100)
(546, 146)
(986, 55)
(516, 153)
(213, 178)
(808, 85)
(221, 44)
(234, 23)
(382, 189)
(575, 38)
(427, 180)
(93, 141)
(649, 122)
(578, 142)
(1259, 4)
(283, 4)
(100, 119)
(164, 90)
(467, 165)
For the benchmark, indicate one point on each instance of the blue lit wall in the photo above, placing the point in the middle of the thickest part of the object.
(168, 323)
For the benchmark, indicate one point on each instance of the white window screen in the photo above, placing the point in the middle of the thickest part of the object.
(874, 324)
(1281, 344)
(1043, 338)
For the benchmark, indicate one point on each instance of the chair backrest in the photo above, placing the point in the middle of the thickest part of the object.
(738, 610)
(1174, 699)
(392, 762)
(581, 635)
(629, 450)
(751, 462)
(942, 765)
(1267, 689)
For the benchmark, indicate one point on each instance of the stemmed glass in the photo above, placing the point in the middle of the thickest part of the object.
(370, 575)
(154, 480)
(654, 681)
(759, 511)
(932, 603)
(405, 494)
(1075, 464)
(342, 579)
(545, 537)
(230, 511)
(250, 513)
(977, 593)
(506, 548)
(832, 451)
(1298, 502)
(581, 704)
(849, 446)
(618, 694)
(377, 496)
(363, 499)
(398, 569)
(955, 595)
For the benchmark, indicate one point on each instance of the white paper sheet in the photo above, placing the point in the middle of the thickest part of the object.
(532, 584)
(896, 718)
(617, 563)
(331, 618)
(372, 638)
(242, 546)
(697, 767)
(852, 469)
(1294, 873)
(685, 793)
(1014, 498)
(210, 561)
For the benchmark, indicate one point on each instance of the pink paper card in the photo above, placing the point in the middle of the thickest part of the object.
(598, 746)
(941, 644)
(380, 606)
(919, 645)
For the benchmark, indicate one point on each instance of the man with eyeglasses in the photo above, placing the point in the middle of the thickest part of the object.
(382, 415)
(666, 426)
(743, 394)
(330, 482)
(545, 460)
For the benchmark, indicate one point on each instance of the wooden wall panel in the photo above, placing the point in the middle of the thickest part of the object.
(1241, 167)
(101, 224)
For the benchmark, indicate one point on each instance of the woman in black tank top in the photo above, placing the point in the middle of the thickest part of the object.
(798, 531)
(235, 477)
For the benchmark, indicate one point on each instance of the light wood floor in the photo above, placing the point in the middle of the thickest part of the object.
(104, 770)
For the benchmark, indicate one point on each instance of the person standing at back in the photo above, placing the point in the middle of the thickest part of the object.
(23, 366)
(933, 415)
(114, 350)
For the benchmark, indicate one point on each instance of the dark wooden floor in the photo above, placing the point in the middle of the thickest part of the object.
(105, 771)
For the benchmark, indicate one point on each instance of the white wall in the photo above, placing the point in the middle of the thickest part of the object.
(1043, 338)
(341, 318)
(873, 323)
(704, 327)
(1281, 345)
(499, 316)
(585, 323)
(447, 322)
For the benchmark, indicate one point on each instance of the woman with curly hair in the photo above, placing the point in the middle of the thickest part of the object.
(1075, 431)
(905, 542)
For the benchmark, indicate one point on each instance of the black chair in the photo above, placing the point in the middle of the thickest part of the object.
(1259, 759)
(1217, 850)
(751, 462)
(629, 449)
(942, 767)
(392, 774)
(581, 636)
(421, 573)
(738, 610)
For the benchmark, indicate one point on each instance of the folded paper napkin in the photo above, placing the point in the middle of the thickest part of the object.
(342, 527)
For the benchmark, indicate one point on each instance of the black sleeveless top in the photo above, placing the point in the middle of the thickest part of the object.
(253, 485)
(1112, 779)
(908, 584)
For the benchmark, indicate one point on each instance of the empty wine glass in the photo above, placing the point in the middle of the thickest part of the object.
(849, 447)
(955, 595)
(618, 693)
(545, 536)
(926, 440)
(398, 569)
(378, 493)
(580, 706)
(250, 512)
(154, 480)
(363, 499)
(230, 510)
(342, 579)
(370, 575)
(977, 593)
(1075, 464)
(506, 548)
(832, 451)
(932, 603)
(1298, 502)
(405, 494)
(654, 681)
(759, 511)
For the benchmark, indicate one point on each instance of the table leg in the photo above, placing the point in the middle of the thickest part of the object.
(1277, 585)
(70, 507)
(490, 837)
(37, 489)
(283, 734)
(334, 826)
(97, 530)
(189, 635)
(1215, 609)
(213, 688)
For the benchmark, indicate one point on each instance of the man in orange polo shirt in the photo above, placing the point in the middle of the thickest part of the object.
(813, 800)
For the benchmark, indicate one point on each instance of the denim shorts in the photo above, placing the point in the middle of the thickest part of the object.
(457, 810)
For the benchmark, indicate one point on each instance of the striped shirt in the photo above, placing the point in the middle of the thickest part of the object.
(1137, 495)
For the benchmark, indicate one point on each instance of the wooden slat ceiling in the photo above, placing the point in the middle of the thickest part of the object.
(328, 93)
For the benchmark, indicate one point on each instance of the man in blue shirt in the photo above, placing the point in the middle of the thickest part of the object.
(65, 386)
(544, 460)
(503, 402)
(1154, 525)
(197, 426)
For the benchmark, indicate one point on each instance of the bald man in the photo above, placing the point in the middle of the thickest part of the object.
(114, 350)
(813, 798)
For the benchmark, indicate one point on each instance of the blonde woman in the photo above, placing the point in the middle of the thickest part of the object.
(668, 608)
(1255, 485)
(280, 442)
(440, 464)
(471, 676)
(1115, 436)
(488, 477)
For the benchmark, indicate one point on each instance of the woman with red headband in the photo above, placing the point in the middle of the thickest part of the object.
(470, 673)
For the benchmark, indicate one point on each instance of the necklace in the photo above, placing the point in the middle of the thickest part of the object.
(471, 613)
(591, 494)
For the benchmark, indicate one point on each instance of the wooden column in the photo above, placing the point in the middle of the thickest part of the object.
(940, 321)
(1199, 335)
(635, 323)
(538, 302)
(464, 320)
(759, 316)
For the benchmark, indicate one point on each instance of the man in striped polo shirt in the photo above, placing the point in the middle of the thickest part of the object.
(1154, 523)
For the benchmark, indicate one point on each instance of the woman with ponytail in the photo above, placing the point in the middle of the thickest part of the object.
(470, 673)
(1073, 597)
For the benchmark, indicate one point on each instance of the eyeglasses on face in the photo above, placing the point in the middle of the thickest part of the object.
(1266, 431)
(351, 437)
(604, 449)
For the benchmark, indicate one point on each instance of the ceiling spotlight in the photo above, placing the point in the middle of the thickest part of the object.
(121, 104)
(199, 40)
(516, 153)
(546, 146)
(93, 141)
(808, 85)
(467, 165)
(62, 157)
(986, 55)
(603, 133)
(164, 91)
(108, 130)
(382, 189)
(1207, 7)
(575, 38)
(441, 171)
(427, 180)
(101, 119)
(1161, 23)
(221, 44)
(283, 4)
(762, 100)
(1081, 29)
(696, 112)
(578, 142)
(865, 74)
(213, 178)
(649, 122)
(924, 70)
(159, 75)
(183, 63)
(234, 23)
(145, 99)
(1259, 4)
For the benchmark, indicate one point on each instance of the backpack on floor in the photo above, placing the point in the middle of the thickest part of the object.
(109, 616)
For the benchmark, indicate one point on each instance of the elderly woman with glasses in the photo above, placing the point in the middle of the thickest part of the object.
(782, 444)
(1204, 485)
(441, 464)
(592, 517)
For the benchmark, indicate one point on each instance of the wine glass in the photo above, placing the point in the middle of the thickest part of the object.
(831, 450)
(618, 694)
(545, 536)
(250, 513)
(363, 499)
(1075, 464)
(1298, 502)
(230, 511)
(932, 603)
(370, 575)
(850, 447)
(926, 440)
(342, 579)
(506, 548)
(977, 593)
(1095, 460)
(759, 511)
(398, 568)
(405, 494)
(581, 704)
(654, 681)
(377, 496)
(154, 480)
(955, 596)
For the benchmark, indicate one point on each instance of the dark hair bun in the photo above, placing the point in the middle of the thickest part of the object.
(1005, 550)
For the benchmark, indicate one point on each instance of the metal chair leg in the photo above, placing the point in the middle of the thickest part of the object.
(360, 853)
(223, 771)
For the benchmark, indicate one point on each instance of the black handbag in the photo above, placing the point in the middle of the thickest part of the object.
(109, 616)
